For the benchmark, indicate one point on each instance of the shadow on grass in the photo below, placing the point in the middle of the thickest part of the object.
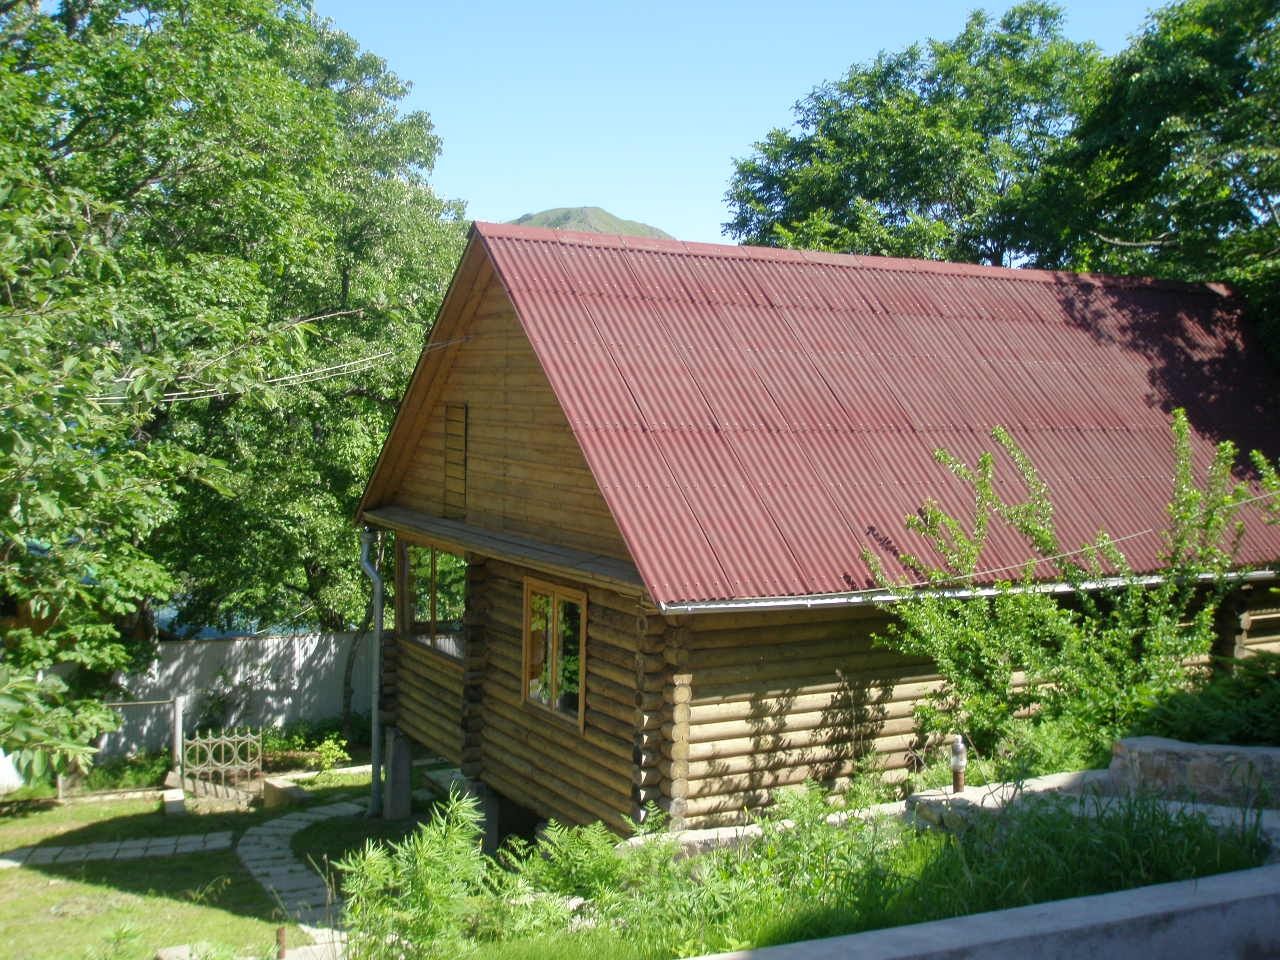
(53, 824)
(323, 844)
(214, 880)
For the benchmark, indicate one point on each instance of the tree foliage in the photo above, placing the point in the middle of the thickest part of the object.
(1091, 660)
(1175, 170)
(42, 731)
(927, 152)
(201, 202)
(1010, 145)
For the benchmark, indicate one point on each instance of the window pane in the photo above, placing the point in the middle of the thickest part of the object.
(538, 673)
(419, 588)
(443, 594)
(451, 591)
(569, 621)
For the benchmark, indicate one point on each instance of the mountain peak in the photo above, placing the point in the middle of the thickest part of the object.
(589, 220)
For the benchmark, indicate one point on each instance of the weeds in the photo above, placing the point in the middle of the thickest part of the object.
(125, 773)
(573, 893)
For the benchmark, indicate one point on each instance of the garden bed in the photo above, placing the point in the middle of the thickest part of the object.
(790, 877)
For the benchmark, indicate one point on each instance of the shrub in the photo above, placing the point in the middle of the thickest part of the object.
(572, 893)
(125, 773)
(330, 753)
(317, 742)
(1241, 706)
(1089, 663)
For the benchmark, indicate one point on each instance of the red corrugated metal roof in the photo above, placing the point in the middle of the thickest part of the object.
(757, 418)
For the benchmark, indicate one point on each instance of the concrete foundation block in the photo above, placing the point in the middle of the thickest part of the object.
(397, 791)
(278, 792)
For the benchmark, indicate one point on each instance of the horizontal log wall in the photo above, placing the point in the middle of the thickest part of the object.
(545, 762)
(774, 699)
(525, 472)
(429, 698)
(1259, 622)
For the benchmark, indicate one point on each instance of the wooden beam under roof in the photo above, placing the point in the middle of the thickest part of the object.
(458, 537)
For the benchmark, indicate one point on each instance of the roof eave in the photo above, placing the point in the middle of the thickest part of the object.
(883, 596)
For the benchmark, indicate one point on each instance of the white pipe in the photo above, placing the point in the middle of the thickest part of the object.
(889, 595)
(375, 720)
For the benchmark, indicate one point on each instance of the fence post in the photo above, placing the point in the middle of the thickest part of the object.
(177, 730)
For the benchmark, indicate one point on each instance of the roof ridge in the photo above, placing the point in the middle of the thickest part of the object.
(907, 265)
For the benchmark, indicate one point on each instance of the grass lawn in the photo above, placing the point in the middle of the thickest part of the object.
(130, 909)
(104, 910)
(48, 822)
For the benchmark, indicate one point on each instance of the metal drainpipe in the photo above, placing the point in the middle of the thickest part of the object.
(375, 720)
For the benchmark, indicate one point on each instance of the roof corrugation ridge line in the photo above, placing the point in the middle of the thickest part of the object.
(716, 305)
(815, 481)
(622, 517)
(799, 395)
(848, 260)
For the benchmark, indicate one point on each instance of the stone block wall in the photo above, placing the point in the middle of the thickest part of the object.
(1207, 773)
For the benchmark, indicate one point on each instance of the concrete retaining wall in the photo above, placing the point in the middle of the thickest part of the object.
(1230, 915)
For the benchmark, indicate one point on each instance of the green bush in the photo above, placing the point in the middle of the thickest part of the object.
(125, 773)
(1028, 748)
(330, 753)
(1088, 663)
(315, 742)
(1241, 706)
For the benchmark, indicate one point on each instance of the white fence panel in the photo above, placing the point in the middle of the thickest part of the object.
(253, 681)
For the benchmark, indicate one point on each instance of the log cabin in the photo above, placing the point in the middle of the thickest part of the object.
(634, 485)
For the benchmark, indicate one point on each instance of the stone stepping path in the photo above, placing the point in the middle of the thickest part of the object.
(301, 891)
(116, 850)
(264, 850)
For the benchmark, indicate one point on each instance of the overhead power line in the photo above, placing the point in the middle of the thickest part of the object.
(314, 375)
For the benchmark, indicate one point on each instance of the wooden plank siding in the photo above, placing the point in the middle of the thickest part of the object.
(524, 471)
(775, 699)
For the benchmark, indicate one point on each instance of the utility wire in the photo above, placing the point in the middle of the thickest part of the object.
(314, 375)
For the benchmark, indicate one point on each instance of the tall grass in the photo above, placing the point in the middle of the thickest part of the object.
(573, 894)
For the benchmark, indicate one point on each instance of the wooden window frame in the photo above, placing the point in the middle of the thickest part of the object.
(406, 601)
(556, 592)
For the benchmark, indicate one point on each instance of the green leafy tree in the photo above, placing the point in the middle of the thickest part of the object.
(277, 546)
(928, 152)
(1175, 169)
(202, 204)
(40, 730)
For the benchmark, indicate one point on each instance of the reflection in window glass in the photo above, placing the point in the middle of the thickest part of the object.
(437, 598)
(570, 619)
(553, 648)
(541, 655)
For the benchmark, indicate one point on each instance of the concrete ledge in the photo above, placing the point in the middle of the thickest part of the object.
(691, 842)
(444, 779)
(1229, 915)
(174, 802)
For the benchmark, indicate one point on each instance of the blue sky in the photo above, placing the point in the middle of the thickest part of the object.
(639, 108)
